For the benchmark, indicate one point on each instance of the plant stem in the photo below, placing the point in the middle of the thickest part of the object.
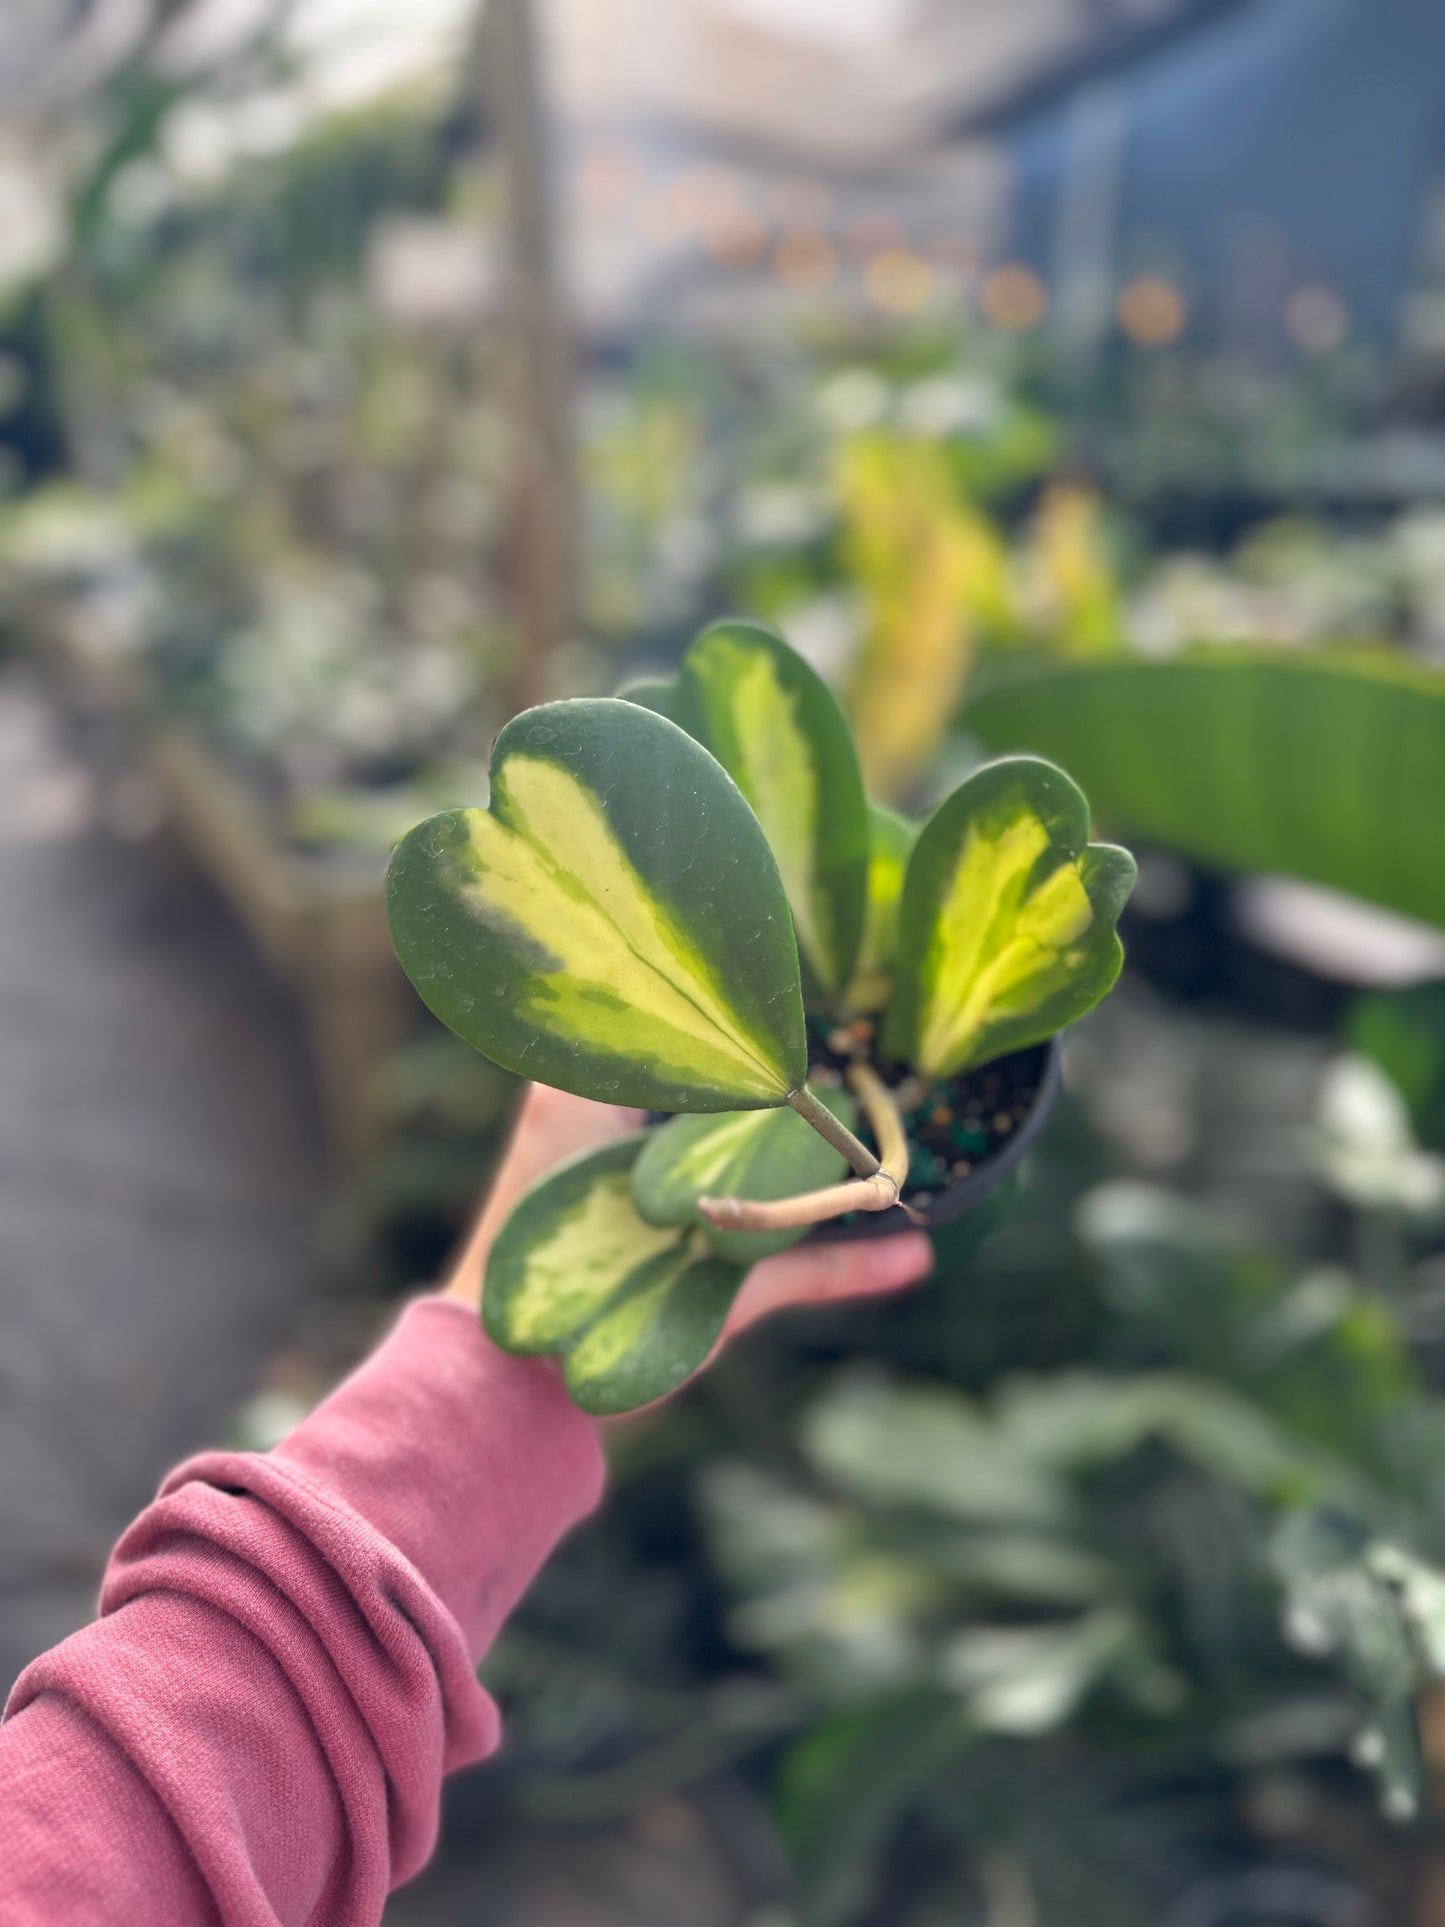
(876, 1190)
(878, 1193)
(883, 1114)
(813, 1111)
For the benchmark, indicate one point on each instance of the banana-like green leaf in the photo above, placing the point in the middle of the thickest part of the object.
(744, 1154)
(778, 730)
(613, 924)
(892, 838)
(1006, 931)
(1325, 766)
(632, 1308)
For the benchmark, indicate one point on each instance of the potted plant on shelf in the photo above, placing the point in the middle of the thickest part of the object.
(682, 900)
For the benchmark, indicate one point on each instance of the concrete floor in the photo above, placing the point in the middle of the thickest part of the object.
(158, 1171)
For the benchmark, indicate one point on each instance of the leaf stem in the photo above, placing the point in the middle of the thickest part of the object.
(883, 1114)
(876, 1190)
(877, 1193)
(813, 1111)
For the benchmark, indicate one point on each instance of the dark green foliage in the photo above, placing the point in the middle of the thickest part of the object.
(1023, 1606)
(1404, 1032)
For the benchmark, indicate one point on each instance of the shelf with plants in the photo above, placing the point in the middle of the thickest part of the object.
(278, 558)
(965, 602)
(313, 484)
(1028, 541)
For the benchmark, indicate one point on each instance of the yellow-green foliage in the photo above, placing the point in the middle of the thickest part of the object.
(631, 1308)
(1070, 581)
(1006, 931)
(556, 874)
(613, 923)
(931, 572)
(778, 731)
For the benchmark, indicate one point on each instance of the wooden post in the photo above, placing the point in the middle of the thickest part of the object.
(544, 520)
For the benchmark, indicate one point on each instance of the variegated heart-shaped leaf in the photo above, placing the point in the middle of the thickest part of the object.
(742, 1154)
(778, 730)
(891, 841)
(1006, 930)
(613, 923)
(631, 1308)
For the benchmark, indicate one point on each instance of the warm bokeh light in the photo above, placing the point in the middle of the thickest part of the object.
(1316, 318)
(736, 238)
(670, 213)
(608, 175)
(1014, 298)
(869, 234)
(806, 261)
(802, 202)
(898, 280)
(1152, 312)
(713, 191)
(955, 257)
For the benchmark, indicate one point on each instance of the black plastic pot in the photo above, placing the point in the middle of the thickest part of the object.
(940, 1208)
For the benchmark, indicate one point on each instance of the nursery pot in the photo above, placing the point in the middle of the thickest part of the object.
(984, 1182)
(985, 1195)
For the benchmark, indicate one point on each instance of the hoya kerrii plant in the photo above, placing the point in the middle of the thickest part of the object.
(682, 900)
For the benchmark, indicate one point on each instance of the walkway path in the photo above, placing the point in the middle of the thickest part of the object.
(158, 1178)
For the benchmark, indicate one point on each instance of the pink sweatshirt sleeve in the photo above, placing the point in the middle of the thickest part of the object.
(256, 1728)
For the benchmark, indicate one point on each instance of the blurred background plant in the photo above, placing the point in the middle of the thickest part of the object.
(361, 378)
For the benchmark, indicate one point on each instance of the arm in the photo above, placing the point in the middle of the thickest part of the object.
(256, 1729)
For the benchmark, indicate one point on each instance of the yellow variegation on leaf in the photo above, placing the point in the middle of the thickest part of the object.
(931, 572)
(613, 923)
(779, 732)
(1007, 926)
(1074, 592)
(742, 1154)
(891, 842)
(631, 1308)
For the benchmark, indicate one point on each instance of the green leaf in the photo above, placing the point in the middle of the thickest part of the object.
(778, 730)
(926, 1447)
(633, 1309)
(745, 1154)
(1378, 1614)
(1322, 766)
(613, 924)
(930, 574)
(891, 841)
(1077, 1420)
(1006, 931)
(1403, 1031)
(845, 1786)
(1029, 1680)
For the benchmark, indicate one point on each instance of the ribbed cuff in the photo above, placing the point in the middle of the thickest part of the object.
(472, 1463)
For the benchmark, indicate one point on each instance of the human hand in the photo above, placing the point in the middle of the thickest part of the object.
(552, 1125)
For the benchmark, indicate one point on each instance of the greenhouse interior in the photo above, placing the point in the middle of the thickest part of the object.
(1063, 381)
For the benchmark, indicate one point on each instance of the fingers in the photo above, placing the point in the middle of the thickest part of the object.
(825, 1273)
